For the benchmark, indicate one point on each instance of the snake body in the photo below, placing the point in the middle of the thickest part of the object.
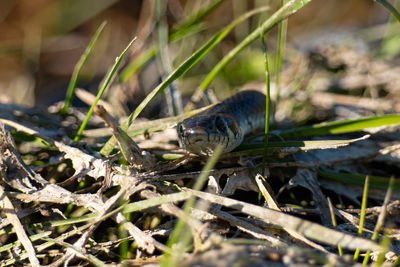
(225, 123)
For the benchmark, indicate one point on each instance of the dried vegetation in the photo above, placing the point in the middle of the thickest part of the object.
(62, 202)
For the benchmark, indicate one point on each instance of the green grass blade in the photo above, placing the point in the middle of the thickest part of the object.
(376, 182)
(137, 64)
(288, 9)
(267, 104)
(391, 8)
(33, 238)
(148, 203)
(69, 221)
(103, 88)
(334, 223)
(183, 68)
(385, 247)
(339, 127)
(362, 217)
(78, 68)
(396, 261)
(390, 42)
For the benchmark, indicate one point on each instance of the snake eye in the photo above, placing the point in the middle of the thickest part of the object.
(220, 125)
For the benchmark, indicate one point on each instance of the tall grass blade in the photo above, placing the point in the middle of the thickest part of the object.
(385, 247)
(362, 217)
(390, 43)
(334, 223)
(102, 90)
(391, 8)
(78, 67)
(137, 64)
(267, 103)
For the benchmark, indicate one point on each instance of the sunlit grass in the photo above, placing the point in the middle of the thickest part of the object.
(362, 216)
(104, 86)
(78, 67)
(267, 103)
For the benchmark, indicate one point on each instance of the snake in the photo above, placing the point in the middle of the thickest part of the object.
(225, 124)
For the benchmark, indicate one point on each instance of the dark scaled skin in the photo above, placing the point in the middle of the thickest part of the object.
(225, 123)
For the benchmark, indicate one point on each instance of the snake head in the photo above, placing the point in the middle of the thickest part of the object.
(201, 134)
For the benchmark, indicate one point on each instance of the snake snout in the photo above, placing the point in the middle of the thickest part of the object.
(202, 134)
(194, 138)
(197, 137)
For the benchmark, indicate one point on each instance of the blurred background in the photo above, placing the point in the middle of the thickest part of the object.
(42, 40)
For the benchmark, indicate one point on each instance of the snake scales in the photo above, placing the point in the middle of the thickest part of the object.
(225, 123)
